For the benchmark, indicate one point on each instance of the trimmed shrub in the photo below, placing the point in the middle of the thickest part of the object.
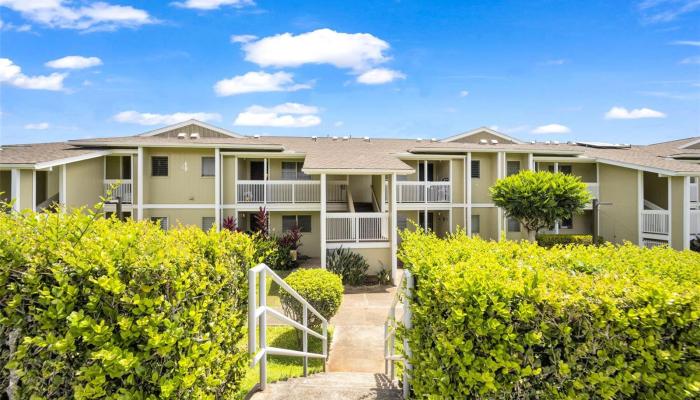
(321, 288)
(550, 240)
(94, 308)
(515, 320)
(352, 267)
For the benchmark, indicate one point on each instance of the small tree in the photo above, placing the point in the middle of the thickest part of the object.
(262, 221)
(539, 199)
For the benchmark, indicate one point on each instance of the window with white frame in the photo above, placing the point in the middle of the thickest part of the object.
(208, 223)
(162, 222)
(291, 171)
(208, 166)
(476, 169)
(567, 223)
(159, 166)
(476, 223)
(513, 225)
(301, 221)
(401, 222)
(512, 168)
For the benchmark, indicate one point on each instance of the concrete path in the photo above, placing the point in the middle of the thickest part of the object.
(332, 386)
(358, 336)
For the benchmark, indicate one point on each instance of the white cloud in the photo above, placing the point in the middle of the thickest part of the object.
(69, 15)
(11, 74)
(9, 26)
(213, 4)
(135, 117)
(378, 76)
(695, 43)
(691, 60)
(338, 124)
(258, 82)
(559, 61)
(287, 115)
(357, 51)
(74, 62)
(551, 129)
(37, 126)
(637, 113)
(464, 93)
(657, 11)
(242, 38)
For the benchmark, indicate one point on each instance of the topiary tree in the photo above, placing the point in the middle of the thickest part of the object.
(539, 199)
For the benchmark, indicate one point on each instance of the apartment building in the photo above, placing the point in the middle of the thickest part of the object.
(356, 192)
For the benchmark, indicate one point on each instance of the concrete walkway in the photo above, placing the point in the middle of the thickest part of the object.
(333, 386)
(358, 336)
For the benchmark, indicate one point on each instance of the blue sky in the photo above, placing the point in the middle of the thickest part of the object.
(619, 71)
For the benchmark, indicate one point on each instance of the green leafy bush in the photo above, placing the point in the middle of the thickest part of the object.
(550, 240)
(352, 267)
(96, 308)
(273, 253)
(515, 320)
(321, 288)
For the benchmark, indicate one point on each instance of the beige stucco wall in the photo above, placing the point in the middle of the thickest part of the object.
(488, 221)
(677, 213)
(618, 221)
(458, 181)
(489, 174)
(311, 241)
(184, 183)
(84, 183)
(377, 258)
(5, 186)
(184, 216)
(583, 224)
(458, 218)
(228, 179)
(26, 188)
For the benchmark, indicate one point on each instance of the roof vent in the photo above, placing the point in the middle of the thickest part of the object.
(346, 138)
(335, 138)
(366, 138)
(483, 141)
(314, 138)
(181, 135)
(433, 140)
(556, 142)
(256, 136)
(494, 141)
(547, 142)
(532, 142)
(419, 140)
(194, 135)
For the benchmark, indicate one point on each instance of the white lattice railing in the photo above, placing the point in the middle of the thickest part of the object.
(336, 192)
(695, 222)
(694, 192)
(357, 227)
(422, 192)
(265, 192)
(403, 294)
(120, 188)
(655, 221)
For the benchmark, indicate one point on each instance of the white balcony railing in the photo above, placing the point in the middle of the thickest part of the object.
(695, 222)
(357, 227)
(694, 192)
(336, 192)
(655, 221)
(423, 192)
(121, 188)
(594, 189)
(265, 192)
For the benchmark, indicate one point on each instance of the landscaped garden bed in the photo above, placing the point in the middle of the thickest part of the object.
(515, 320)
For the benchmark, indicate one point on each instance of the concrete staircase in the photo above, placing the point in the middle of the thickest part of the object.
(332, 386)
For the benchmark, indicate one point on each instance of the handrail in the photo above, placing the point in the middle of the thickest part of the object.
(375, 202)
(403, 292)
(257, 318)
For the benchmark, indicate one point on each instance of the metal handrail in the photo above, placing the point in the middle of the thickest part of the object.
(403, 292)
(257, 318)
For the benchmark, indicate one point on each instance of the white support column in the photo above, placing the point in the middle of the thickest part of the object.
(556, 224)
(425, 219)
(139, 175)
(33, 190)
(394, 228)
(217, 188)
(64, 187)
(530, 162)
(468, 196)
(450, 219)
(235, 183)
(15, 188)
(640, 204)
(323, 221)
(425, 182)
(686, 212)
(500, 173)
(670, 211)
(382, 191)
(265, 181)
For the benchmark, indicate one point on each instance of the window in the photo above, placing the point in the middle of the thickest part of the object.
(513, 225)
(302, 221)
(476, 223)
(162, 221)
(401, 222)
(476, 169)
(159, 166)
(208, 166)
(291, 171)
(565, 169)
(567, 223)
(512, 168)
(208, 222)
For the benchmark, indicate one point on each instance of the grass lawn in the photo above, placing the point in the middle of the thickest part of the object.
(284, 337)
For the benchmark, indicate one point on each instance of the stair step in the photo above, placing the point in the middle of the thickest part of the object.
(333, 385)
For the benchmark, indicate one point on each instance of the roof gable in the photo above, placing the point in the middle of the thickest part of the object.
(192, 126)
(693, 144)
(474, 136)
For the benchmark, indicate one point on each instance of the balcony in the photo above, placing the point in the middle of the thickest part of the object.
(694, 222)
(656, 222)
(121, 188)
(289, 192)
(357, 227)
(408, 192)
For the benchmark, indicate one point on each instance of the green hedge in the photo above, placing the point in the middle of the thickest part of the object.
(321, 288)
(97, 308)
(550, 240)
(515, 320)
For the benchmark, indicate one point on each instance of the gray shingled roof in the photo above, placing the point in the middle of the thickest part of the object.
(40, 152)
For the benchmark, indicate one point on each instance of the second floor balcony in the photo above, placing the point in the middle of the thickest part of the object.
(120, 188)
(412, 192)
(288, 191)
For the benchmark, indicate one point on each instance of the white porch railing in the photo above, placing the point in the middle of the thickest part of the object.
(423, 192)
(290, 192)
(695, 222)
(403, 293)
(655, 221)
(257, 320)
(336, 192)
(694, 192)
(122, 190)
(357, 227)
(594, 189)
